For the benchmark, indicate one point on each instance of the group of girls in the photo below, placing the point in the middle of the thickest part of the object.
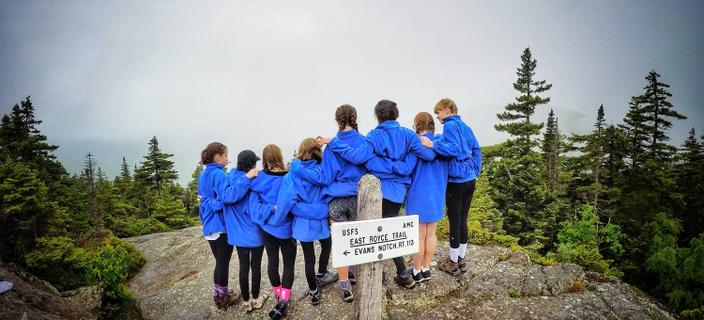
(276, 209)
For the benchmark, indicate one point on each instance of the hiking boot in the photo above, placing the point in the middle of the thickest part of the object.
(449, 266)
(426, 275)
(315, 297)
(259, 302)
(350, 276)
(228, 300)
(418, 277)
(346, 291)
(326, 278)
(405, 279)
(279, 310)
(462, 264)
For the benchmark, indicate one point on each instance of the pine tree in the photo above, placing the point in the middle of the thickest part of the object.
(690, 183)
(517, 115)
(551, 151)
(636, 131)
(658, 111)
(191, 194)
(91, 178)
(156, 169)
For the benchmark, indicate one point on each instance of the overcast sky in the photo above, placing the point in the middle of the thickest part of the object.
(106, 76)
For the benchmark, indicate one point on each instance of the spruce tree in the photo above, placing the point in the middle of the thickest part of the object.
(690, 183)
(551, 151)
(658, 110)
(157, 169)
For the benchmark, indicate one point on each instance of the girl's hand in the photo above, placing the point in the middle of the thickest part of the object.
(322, 140)
(426, 142)
(252, 173)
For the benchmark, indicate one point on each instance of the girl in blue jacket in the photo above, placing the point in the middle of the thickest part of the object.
(392, 142)
(278, 234)
(211, 181)
(426, 198)
(459, 144)
(242, 232)
(306, 203)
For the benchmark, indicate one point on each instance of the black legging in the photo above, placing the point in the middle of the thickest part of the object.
(459, 199)
(250, 258)
(309, 259)
(388, 210)
(288, 251)
(222, 252)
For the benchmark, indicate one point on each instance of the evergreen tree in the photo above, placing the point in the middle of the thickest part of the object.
(551, 151)
(658, 110)
(690, 183)
(191, 195)
(156, 169)
(636, 131)
(91, 177)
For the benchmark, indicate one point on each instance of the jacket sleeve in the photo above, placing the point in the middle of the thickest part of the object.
(449, 143)
(259, 211)
(235, 190)
(310, 211)
(419, 149)
(211, 204)
(357, 155)
(384, 165)
(285, 201)
(322, 175)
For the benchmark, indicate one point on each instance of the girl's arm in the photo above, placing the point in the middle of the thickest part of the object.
(285, 201)
(419, 149)
(322, 175)
(310, 211)
(385, 165)
(259, 211)
(448, 145)
(357, 155)
(235, 190)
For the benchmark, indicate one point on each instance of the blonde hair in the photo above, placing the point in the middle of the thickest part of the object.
(445, 104)
(310, 150)
(272, 158)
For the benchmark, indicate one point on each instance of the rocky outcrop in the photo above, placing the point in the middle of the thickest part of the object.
(34, 298)
(175, 284)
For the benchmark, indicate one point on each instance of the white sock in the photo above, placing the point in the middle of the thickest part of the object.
(454, 252)
(422, 269)
(415, 271)
(463, 250)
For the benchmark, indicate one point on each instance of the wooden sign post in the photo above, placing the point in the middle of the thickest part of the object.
(370, 274)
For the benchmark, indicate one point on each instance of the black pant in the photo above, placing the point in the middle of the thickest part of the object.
(288, 251)
(309, 259)
(222, 252)
(458, 199)
(250, 258)
(388, 210)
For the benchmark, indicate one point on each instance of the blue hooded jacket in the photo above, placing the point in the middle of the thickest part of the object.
(459, 143)
(211, 213)
(261, 200)
(241, 230)
(305, 202)
(389, 141)
(426, 196)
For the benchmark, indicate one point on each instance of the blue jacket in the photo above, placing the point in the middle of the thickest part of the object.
(262, 198)
(337, 176)
(305, 202)
(211, 213)
(241, 230)
(458, 143)
(426, 196)
(388, 141)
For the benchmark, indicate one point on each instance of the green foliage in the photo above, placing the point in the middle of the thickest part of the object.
(60, 261)
(133, 226)
(156, 170)
(582, 241)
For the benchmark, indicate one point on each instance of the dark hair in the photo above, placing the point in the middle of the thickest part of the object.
(210, 151)
(346, 115)
(424, 122)
(310, 150)
(386, 110)
(272, 158)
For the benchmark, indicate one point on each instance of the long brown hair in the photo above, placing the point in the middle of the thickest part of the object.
(346, 115)
(310, 150)
(272, 158)
(424, 122)
(210, 151)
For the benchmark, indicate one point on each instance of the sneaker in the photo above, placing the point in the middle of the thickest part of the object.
(346, 292)
(462, 264)
(405, 279)
(426, 275)
(449, 266)
(259, 302)
(418, 277)
(351, 277)
(279, 310)
(326, 278)
(315, 297)
(247, 305)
